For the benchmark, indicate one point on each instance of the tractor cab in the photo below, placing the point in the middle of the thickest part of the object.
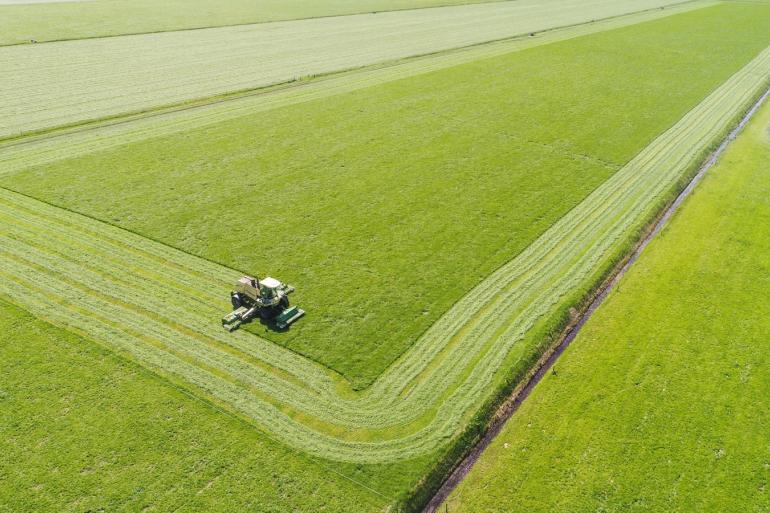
(269, 290)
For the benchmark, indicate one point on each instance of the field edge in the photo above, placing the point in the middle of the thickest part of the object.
(504, 402)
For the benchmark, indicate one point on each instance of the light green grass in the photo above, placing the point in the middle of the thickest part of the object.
(83, 430)
(660, 404)
(46, 86)
(96, 18)
(124, 291)
(384, 206)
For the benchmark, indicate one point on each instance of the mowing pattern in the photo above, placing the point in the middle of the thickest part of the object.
(162, 306)
(70, 81)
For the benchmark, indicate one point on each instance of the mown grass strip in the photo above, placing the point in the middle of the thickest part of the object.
(62, 20)
(169, 450)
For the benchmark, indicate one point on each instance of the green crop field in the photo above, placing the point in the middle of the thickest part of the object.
(426, 396)
(440, 217)
(74, 81)
(660, 404)
(376, 182)
(32, 150)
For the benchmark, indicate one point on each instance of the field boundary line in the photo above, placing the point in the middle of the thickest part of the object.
(548, 360)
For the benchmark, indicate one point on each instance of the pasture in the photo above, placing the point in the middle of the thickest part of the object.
(376, 182)
(492, 333)
(18, 154)
(660, 404)
(441, 217)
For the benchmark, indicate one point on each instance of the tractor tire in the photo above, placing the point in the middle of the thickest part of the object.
(284, 302)
(236, 301)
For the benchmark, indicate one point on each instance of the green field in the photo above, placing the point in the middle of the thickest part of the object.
(86, 431)
(123, 291)
(365, 195)
(440, 217)
(71, 82)
(63, 142)
(660, 404)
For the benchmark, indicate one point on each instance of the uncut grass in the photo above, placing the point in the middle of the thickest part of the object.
(86, 430)
(660, 403)
(76, 20)
(385, 205)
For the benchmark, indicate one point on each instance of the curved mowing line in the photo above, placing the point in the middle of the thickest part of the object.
(161, 306)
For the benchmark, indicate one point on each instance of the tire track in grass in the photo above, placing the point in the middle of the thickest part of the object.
(131, 294)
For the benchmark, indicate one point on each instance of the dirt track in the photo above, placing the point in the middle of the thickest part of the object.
(546, 362)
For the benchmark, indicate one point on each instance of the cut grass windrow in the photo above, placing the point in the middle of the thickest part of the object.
(161, 307)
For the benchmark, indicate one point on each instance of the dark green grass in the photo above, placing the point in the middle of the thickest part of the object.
(661, 403)
(81, 430)
(385, 205)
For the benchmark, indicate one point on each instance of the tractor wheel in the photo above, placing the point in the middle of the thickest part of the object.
(284, 302)
(235, 299)
(264, 313)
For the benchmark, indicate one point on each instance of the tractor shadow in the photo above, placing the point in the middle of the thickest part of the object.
(269, 325)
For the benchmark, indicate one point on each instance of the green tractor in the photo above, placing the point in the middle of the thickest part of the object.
(267, 298)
